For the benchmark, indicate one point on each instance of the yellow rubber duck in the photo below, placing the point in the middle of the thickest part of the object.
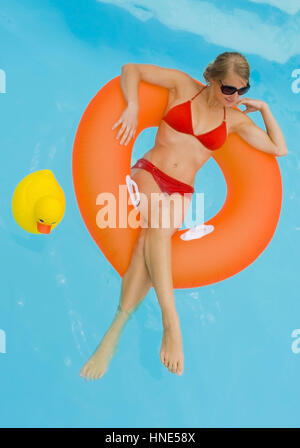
(38, 202)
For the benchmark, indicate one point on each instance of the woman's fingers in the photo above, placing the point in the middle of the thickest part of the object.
(128, 126)
(117, 123)
(128, 133)
(131, 135)
(121, 130)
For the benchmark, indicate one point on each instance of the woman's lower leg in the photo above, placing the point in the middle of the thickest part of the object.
(135, 285)
(158, 262)
(136, 281)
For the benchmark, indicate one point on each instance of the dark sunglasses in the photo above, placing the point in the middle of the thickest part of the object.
(230, 90)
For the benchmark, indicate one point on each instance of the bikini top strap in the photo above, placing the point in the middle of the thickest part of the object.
(197, 93)
(224, 119)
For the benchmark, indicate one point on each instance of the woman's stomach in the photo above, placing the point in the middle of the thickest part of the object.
(178, 162)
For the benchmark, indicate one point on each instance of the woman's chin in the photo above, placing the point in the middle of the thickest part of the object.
(229, 102)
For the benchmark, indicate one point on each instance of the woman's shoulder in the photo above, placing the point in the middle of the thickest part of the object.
(235, 117)
(185, 90)
(189, 86)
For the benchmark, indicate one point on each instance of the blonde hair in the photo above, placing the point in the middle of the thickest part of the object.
(224, 62)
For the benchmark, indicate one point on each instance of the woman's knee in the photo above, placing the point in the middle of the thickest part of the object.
(140, 242)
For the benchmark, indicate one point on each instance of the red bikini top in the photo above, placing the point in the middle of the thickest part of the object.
(179, 118)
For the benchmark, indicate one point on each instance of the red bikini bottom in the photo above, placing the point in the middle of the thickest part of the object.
(166, 183)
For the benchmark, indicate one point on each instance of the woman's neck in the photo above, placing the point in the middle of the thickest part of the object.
(210, 98)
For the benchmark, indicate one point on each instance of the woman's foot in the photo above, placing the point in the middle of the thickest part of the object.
(98, 363)
(171, 352)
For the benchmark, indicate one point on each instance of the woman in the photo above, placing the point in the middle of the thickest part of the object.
(197, 122)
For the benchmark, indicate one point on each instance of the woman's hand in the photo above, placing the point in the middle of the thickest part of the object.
(129, 121)
(251, 105)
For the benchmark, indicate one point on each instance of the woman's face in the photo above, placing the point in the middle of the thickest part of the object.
(231, 79)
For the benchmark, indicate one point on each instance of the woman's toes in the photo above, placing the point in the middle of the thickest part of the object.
(180, 367)
(94, 374)
(99, 374)
(174, 367)
(83, 371)
(88, 373)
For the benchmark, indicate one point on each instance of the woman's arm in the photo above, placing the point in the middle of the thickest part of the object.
(272, 141)
(131, 76)
(129, 81)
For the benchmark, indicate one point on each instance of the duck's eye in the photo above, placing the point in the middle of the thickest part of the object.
(41, 220)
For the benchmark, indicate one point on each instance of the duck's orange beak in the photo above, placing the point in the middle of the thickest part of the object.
(43, 228)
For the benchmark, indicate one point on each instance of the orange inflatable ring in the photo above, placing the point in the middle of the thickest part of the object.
(242, 228)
